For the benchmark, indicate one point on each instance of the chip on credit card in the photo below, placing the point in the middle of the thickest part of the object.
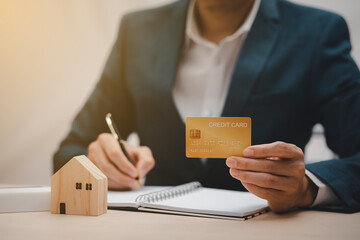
(217, 137)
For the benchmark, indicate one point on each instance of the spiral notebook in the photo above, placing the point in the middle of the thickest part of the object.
(190, 199)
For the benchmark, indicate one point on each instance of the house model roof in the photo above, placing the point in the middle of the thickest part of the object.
(88, 165)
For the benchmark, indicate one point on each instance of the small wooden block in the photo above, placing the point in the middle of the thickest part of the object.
(79, 188)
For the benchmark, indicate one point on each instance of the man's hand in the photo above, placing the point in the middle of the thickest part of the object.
(106, 154)
(275, 172)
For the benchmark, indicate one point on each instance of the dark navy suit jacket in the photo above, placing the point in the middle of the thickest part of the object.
(294, 70)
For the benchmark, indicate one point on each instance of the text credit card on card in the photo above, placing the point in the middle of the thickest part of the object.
(217, 137)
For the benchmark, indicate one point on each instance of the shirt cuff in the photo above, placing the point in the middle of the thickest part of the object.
(325, 195)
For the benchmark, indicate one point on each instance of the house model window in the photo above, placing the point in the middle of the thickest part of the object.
(89, 186)
(78, 185)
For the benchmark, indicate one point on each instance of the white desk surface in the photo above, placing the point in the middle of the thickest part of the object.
(138, 225)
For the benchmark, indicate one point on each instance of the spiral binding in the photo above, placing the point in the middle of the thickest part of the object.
(168, 193)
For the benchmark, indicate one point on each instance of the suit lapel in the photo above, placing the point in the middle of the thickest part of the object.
(253, 56)
(168, 46)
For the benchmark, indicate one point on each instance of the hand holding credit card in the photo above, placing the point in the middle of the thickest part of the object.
(217, 137)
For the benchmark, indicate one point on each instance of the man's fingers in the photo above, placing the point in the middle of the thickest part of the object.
(264, 180)
(114, 153)
(275, 172)
(263, 193)
(116, 179)
(278, 167)
(106, 151)
(145, 161)
(276, 199)
(122, 182)
(276, 149)
(143, 157)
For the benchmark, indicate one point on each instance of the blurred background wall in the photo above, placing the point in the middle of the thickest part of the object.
(52, 52)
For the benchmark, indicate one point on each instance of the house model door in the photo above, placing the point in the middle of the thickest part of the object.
(62, 208)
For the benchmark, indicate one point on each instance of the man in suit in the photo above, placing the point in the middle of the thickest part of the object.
(286, 66)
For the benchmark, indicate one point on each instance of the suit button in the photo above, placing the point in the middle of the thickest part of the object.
(356, 195)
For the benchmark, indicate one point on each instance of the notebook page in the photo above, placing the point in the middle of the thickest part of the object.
(213, 201)
(127, 198)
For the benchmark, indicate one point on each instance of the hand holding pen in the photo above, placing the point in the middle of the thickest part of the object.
(122, 163)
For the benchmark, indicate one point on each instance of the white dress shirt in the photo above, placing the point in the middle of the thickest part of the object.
(205, 69)
(204, 74)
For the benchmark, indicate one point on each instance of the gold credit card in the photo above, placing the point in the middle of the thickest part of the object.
(217, 137)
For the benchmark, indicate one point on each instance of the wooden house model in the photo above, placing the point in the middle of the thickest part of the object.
(79, 188)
